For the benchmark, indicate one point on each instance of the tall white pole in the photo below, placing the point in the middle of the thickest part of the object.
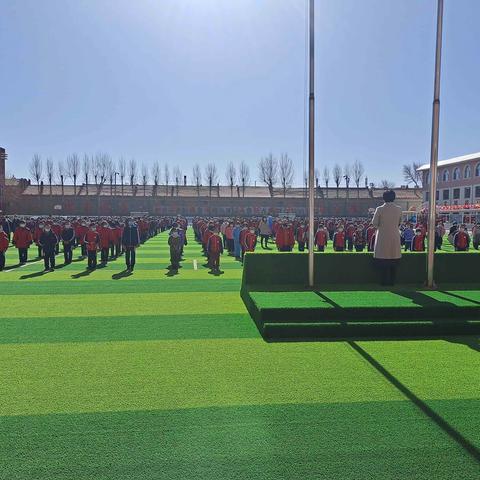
(311, 150)
(432, 211)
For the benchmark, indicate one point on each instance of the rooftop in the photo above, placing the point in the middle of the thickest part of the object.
(452, 161)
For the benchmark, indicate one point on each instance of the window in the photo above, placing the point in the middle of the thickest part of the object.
(467, 193)
(456, 193)
(467, 173)
(446, 194)
(477, 192)
(456, 173)
(477, 170)
(446, 176)
(437, 196)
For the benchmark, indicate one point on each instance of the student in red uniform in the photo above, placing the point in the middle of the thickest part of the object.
(80, 233)
(301, 236)
(359, 240)
(284, 237)
(214, 250)
(349, 236)
(92, 243)
(461, 240)
(339, 240)
(3, 247)
(418, 241)
(22, 239)
(321, 238)
(250, 240)
(371, 230)
(105, 235)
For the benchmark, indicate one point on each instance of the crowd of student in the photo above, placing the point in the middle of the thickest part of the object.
(115, 236)
(241, 235)
(109, 236)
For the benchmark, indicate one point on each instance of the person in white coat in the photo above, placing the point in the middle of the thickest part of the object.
(387, 250)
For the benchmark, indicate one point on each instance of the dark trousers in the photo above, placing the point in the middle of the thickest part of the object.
(320, 248)
(49, 258)
(112, 250)
(214, 260)
(388, 271)
(285, 249)
(67, 253)
(118, 249)
(301, 246)
(84, 249)
(22, 255)
(349, 244)
(104, 255)
(40, 252)
(130, 257)
(2, 260)
(264, 240)
(230, 245)
(92, 259)
(359, 248)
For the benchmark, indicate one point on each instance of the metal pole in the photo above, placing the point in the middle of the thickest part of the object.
(311, 151)
(434, 151)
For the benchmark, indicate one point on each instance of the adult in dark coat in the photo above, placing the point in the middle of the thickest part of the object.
(130, 241)
(68, 239)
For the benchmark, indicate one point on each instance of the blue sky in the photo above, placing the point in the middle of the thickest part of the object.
(187, 81)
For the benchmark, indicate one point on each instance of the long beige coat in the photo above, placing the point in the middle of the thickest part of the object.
(387, 219)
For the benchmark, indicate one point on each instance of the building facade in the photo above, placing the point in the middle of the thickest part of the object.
(458, 180)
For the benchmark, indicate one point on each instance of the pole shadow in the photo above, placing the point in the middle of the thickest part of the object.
(454, 434)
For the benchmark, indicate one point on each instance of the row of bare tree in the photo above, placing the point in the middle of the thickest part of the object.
(98, 170)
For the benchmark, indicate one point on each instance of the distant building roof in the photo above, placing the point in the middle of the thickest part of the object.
(452, 161)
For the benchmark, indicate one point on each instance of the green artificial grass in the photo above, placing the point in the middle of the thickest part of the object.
(150, 376)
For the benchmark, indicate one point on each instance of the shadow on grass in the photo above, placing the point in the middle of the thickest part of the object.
(34, 275)
(123, 274)
(85, 273)
(454, 434)
(470, 342)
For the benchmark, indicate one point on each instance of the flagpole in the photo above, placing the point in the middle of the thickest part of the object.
(432, 211)
(311, 150)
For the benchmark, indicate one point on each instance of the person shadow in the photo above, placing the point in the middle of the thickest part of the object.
(34, 275)
(471, 342)
(85, 273)
(123, 274)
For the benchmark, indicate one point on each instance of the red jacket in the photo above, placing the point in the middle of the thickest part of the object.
(418, 243)
(301, 234)
(321, 238)
(215, 244)
(22, 238)
(3, 242)
(92, 239)
(250, 242)
(105, 236)
(80, 233)
(284, 237)
(339, 240)
(461, 240)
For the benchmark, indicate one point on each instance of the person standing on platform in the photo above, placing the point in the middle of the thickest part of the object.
(48, 241)
(130, 242)
(4, 241)
(22, 239)
(387, 250)
(68, 239)
(301, 236)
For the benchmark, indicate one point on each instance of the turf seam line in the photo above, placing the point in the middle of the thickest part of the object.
(454, 434)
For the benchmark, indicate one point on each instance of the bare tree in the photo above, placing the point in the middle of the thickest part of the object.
(337, 175)
(387, 184)
(50, 172)
(177, 175)
(211, 176)
(132, 171)
(73, 169)
(95, 167)
(286, 172)
(166, 176)
(412, 175)
(144, 178)
(86, 170)
(110, 172)
(268, 172)
(156, 177)
(61, 172)
(347, 175)
(231, 176)
(105, 167)
(36, 169)
(358, 172)
(244, 175)
(122, 170)
(326, 178)
(197, 177)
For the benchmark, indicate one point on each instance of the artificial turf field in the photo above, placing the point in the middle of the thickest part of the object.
(150, 376)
